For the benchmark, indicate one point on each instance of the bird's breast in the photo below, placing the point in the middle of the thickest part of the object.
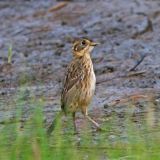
(92, 81)
(88, 86)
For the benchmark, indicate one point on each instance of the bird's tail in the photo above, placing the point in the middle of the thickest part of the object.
(54, 122)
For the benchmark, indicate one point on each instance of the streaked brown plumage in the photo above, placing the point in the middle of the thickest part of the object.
(79, 82)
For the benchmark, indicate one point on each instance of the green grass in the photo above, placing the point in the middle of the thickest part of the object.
(10, 54)
(31, 142)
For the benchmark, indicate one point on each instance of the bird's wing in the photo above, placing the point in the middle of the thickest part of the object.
(73, 76)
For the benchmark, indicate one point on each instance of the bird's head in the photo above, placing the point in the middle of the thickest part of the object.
(82, 47)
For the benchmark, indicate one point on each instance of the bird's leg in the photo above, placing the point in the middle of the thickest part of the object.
(85, 112)
(94, 122)
(74, 121)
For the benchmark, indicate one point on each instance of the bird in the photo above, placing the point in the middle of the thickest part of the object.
(79, 82)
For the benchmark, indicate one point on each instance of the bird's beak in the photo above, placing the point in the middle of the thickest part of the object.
(94, 44)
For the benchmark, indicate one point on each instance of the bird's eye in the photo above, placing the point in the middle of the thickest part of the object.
(83, 42)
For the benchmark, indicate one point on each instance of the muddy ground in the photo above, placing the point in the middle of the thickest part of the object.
(41, 33)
